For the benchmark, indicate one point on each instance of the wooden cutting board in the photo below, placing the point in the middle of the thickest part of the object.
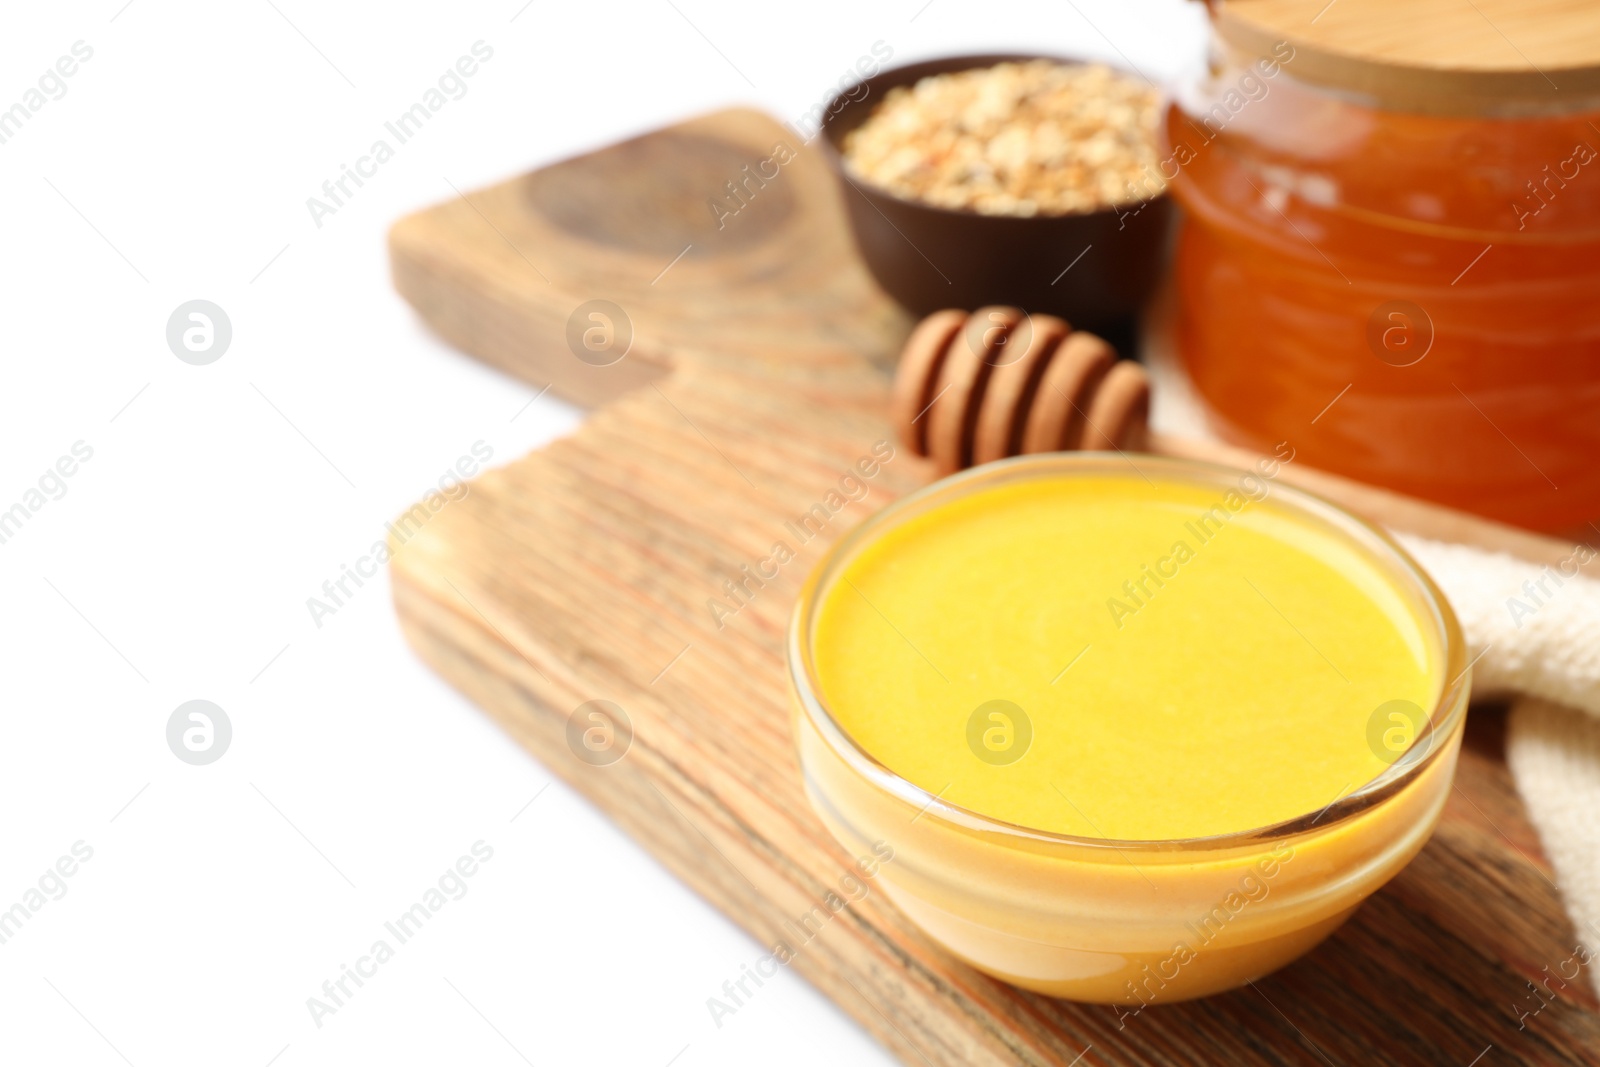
(756, 375)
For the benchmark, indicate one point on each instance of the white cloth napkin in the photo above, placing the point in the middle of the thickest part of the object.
(1554, 754)
(1549, 662)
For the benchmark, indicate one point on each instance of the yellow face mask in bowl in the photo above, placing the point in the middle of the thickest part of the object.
(1134, 733)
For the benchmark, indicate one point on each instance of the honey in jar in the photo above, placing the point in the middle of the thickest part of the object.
(1391, 250)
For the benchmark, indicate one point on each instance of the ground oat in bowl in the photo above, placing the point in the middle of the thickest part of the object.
(1033, 138)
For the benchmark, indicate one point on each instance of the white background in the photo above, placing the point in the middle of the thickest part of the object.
(219, 498)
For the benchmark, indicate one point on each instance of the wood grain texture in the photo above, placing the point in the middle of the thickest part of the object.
(1451, 56)
(583, 571)
(1466, 35)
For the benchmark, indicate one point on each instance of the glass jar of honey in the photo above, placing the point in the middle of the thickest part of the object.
(1391, 249)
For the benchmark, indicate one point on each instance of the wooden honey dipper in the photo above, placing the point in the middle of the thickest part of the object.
(998, 382)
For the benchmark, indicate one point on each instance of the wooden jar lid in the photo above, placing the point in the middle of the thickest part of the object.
(1465, 57)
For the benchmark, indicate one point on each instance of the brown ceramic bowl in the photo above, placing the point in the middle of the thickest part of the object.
(929, 257)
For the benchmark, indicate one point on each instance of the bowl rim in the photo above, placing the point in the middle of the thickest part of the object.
(909, 73)
(1444, 718)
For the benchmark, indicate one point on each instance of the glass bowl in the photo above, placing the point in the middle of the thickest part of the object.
(1129, 921)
